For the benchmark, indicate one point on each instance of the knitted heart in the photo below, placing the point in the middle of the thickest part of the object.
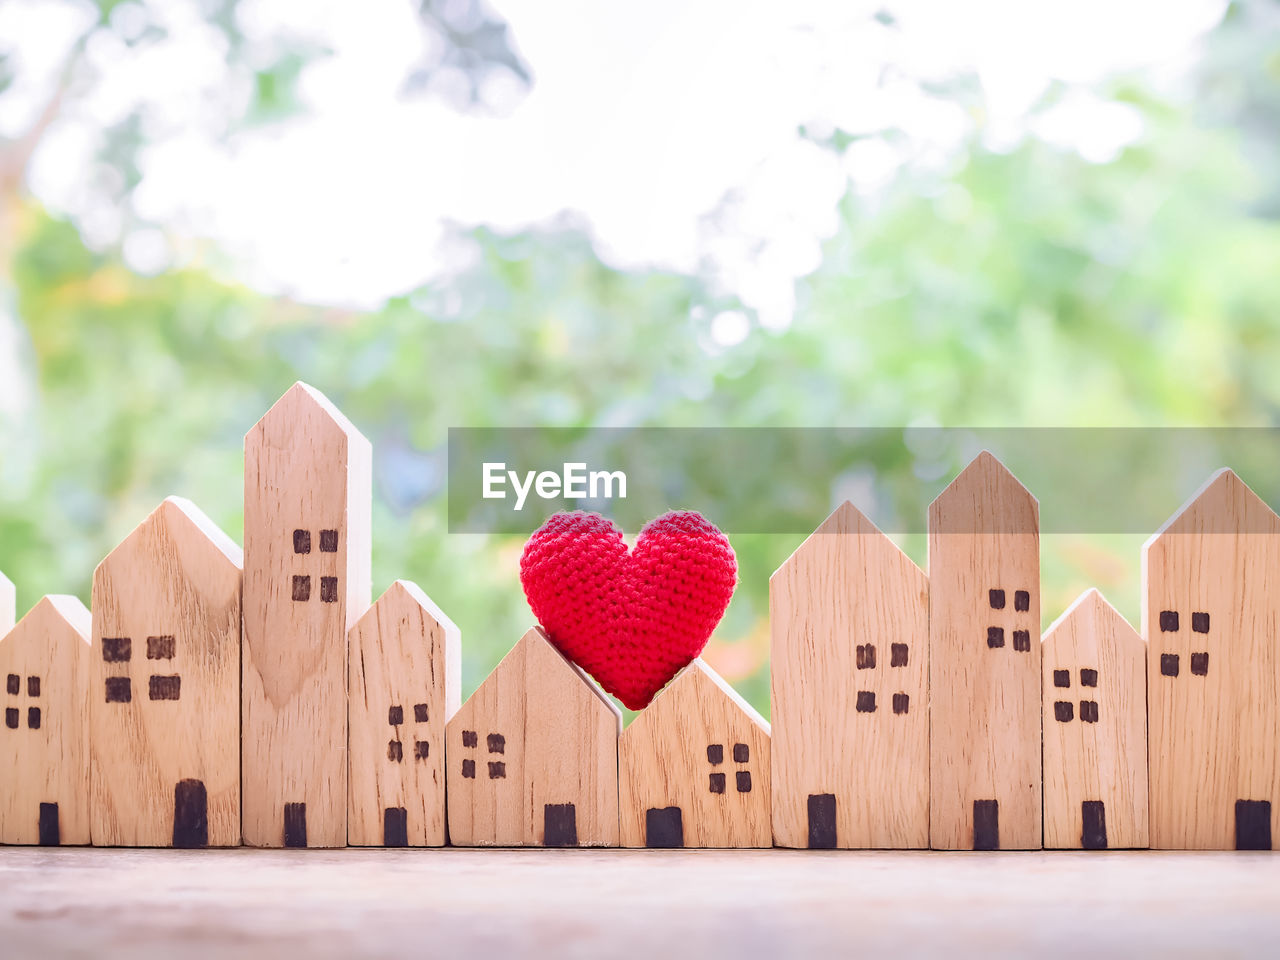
(633, 619)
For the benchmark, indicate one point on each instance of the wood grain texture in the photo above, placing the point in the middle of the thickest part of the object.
(8, 607)
(537, 733)
(849, 596)
(984, 536)
(44, 756)
(307, 505)
(701, 748)
(1211, 590)
(1095, 727)
(164, 682)
(405, 662)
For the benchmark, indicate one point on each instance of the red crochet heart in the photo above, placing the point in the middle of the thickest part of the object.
(633, 619)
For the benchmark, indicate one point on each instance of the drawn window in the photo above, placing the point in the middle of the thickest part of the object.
(165, 688)
(301, 589)
(1168, 664)
(995, 637)
(302, 541)
(996, 599)
(119, 690)
(898, 655)
(1021, 600)
(866, 702)
(496, 742)
(497, 770)
(1089, 711)
(1063, 711)
(395, 751)
(116, 650)
(1022, 641)
(866, 656)
(419, 713)
(33, 718)
(328, 541)
(1062, 678)
(1200, 664)
(469, 769)
(1088, 678)
(11, 718)
(743, 781)
(741, 753)
(1168, 621)
(1200, 622)
(395, 716)
(14, 684)
(328, 589)
(421, 749)
(33, 686)
(469, 738)
(715, 753)
(716, 784)
(160, 648)
(901, 703)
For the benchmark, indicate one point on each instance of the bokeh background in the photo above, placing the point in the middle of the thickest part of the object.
(459, 213)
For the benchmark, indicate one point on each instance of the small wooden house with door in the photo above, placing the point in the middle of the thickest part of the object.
(693, 768)
(44, 743)
(984, 662)
(1211, 606)
(533, 756)
(308, 481)
(1095, 729)
(405, 660)
(165, 688)
(849, 616)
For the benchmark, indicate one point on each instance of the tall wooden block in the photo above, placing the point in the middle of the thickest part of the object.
(405, 663)
(44, 743)
(693, 768)
(533, 756)
(8, 608)
(849, 616)
(1211, 606)
(1095, 729)
(164, 685)
(984, 616)
(307, 578)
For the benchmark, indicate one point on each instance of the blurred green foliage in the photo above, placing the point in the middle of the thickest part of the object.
(1027, 287)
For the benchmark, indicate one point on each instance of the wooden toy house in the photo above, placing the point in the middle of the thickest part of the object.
(1211, 605)
(307, 578)
(44, 743)
(984, 616)
(1095, 729)
(693, 768)
(533, 756)
(849, 616)
(164, 687)
(405, 661)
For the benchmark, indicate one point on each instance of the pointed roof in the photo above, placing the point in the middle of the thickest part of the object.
(195, 537)
(985, 498)
(403, 592)
(697, 682)
(847, 520)
(1091, 606)
(302, 405)
(1224, 504)
(56, 615)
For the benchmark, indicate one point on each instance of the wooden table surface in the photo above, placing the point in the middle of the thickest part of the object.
(638, 904)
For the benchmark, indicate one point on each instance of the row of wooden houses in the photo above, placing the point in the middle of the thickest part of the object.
(215, 697)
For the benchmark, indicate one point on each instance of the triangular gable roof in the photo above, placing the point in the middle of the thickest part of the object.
(705, 682)
(1223, 504)
(54, 615)
(186, 524)
(985, 498)
(1091, 603)
(844, 520)
(303, 401)
(401, 591)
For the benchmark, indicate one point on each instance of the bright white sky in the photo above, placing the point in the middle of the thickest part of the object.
(642, 119)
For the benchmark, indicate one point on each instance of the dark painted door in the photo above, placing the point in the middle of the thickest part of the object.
(190, 814)
(1253, 824)
(663, 827)
(822, 821)
(559, 825)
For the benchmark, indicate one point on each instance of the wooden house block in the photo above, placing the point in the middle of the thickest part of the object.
(1210, 615)
(984, 616)
(164, 685)
(405, 663)
(1095, 729)
(848, 614)
(307, 578)
(693, 768)
(44, 743)
(533, 756)
(8, 608)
